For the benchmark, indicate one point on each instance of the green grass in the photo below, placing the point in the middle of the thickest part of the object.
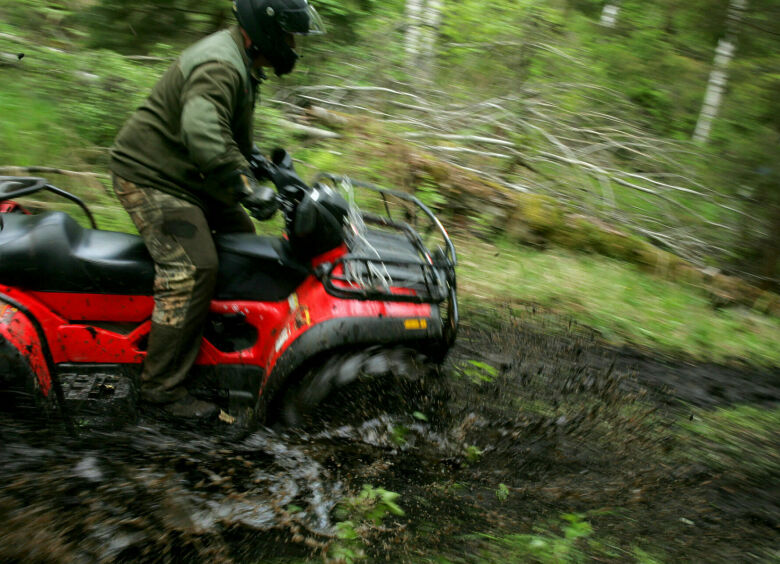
(740, 441)
(625, 304)
(572, 539)
(30, 133)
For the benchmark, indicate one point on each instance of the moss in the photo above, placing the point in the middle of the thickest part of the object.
(543, 214)
(517, 231)
(614, 244)
(767, 303)
(576, 233)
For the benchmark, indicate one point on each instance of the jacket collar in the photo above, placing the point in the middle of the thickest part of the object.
(235, 33)
(256, 74)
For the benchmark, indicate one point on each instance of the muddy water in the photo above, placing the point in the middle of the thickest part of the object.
(532, 418)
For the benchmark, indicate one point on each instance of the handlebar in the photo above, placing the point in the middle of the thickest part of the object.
(280, 171)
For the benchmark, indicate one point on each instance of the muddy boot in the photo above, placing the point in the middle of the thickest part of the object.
(189, 407)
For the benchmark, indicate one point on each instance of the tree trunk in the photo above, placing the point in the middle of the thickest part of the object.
(422, 24)
(719, 74)
(609, 14)
(431, 19)
(771, 252)
(413, 23)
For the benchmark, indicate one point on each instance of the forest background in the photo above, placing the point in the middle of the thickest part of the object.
(560, 122)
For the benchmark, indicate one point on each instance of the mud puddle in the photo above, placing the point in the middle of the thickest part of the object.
(534, 428)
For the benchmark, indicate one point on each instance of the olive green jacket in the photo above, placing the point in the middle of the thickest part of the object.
(195, 126)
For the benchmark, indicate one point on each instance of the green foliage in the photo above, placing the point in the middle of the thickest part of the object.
(740, 440)
(356, 515)
(644, 557)
(343, 19)
(427, 191)
(472, 453)
(502, 493)
(37, 14)
(569, 540)
(478, 371)
(546, 545)
(398, 434)
(371, 504)
(30, 126)
(135, 27)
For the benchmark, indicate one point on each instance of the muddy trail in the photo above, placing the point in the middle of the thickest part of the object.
(536, 442)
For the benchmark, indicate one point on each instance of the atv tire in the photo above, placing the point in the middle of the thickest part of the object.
(355, 386)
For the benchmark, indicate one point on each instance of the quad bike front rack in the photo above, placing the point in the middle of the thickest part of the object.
(389, 258)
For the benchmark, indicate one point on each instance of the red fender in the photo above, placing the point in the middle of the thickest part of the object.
(20, 333)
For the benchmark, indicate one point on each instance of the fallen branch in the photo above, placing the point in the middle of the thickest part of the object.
(327, 117)
(474, 138)
(148, 58)
(10, 59)
(26, 170)
(308, 131)
(17, 39)
(466, 150)
(348, 88)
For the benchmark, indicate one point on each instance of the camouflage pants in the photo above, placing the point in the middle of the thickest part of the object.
(178, 235)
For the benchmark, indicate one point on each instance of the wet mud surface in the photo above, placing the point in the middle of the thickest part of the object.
(531, 419)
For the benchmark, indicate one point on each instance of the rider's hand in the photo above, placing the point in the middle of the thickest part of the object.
(288, 183)
(261, 166)
(261, 201)
(283, 175)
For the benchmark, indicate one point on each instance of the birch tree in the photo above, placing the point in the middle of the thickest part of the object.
(609, 14)
(413, 25)
(431, 19)
(718, 80)
(422, 23)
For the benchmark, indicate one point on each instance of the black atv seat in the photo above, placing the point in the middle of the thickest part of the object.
(50, 252)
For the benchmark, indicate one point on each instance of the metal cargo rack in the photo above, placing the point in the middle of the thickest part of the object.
(401, 254)
(391, 258)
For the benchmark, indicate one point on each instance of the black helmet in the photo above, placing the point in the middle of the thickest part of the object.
(268, 21)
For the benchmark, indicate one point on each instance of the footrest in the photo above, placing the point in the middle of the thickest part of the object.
(101, 393)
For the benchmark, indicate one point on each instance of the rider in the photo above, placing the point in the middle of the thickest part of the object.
(181, 169)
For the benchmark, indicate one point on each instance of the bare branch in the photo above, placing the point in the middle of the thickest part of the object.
(475, 138)
(467, 150)
(24, 170)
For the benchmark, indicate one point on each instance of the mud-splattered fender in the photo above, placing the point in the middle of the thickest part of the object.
(17, 330)
(335, 334)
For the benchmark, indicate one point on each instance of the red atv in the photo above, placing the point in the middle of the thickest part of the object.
(294, 319)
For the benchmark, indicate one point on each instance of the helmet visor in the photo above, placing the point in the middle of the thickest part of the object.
(303, 21)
